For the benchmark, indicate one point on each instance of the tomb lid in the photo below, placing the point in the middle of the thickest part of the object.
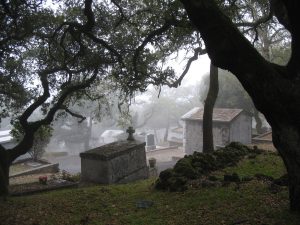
(112, 150)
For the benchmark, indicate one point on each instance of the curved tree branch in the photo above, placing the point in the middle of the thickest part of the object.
(256, 23)
(31, 127)
(41, 99)
(197, 52)
(147, 40)
(82, 118)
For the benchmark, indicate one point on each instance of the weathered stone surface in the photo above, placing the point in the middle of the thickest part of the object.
(118, 162)
(150, 142)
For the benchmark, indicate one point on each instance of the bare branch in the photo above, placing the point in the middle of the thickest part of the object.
(256, 23)
(82, 118)
(105, 44)
(197, 52)
(147, 40)
(123, 17)
(41, 99)
(31, 127)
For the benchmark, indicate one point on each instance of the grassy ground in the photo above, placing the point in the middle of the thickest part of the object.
(268, 163)
(250, 204)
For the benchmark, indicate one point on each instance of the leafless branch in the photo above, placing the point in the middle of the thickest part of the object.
(197, 52)
(82, 118)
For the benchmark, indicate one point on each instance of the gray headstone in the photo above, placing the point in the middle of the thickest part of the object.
(150, 143)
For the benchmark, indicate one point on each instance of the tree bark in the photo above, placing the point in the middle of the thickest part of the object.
(4, 172)
(274, 89)
(208, 138)
(287, 140)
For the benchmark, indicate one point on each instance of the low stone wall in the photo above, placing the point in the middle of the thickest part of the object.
(48, 168)
(117, 162)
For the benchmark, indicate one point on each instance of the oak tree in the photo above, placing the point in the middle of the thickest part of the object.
(273, 88)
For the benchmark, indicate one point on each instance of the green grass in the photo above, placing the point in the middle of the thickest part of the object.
(266, 163)
(251, 204)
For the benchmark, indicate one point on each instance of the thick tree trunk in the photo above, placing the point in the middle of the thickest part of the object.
(4, 172)
(287, 141)
(208, 138)
(7, 156)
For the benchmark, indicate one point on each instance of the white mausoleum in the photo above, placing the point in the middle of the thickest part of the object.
(228, 125)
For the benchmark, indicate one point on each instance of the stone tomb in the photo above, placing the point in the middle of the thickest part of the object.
(117, 162)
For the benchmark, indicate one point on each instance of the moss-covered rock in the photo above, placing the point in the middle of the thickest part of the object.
(204, 163)
(199, 164)
(163, 182)
(169, 180)
(232, 177)
(185, 168)
(177, 183)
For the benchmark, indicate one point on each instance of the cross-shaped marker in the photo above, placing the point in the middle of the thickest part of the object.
(130, 132)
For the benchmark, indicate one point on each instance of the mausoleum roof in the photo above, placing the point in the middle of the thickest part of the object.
(219, 114)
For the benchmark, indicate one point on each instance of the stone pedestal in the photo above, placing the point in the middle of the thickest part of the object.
(117, 162)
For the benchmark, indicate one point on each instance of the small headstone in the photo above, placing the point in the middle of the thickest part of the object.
(150, 143)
